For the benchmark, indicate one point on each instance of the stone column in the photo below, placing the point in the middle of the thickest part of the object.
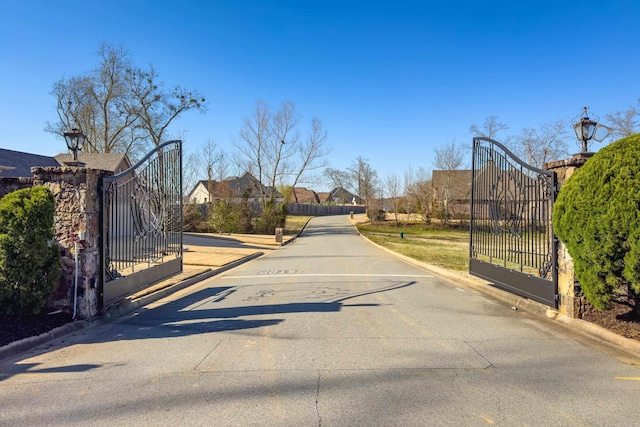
(77, 214)
(571, 300)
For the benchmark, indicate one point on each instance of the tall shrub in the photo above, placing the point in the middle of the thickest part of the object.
(29, 257)
(597, 216)
(230, 217)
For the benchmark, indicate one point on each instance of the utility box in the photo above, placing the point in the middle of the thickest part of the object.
(279, 235)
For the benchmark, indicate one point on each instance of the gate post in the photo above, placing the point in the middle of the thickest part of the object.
(571, 301)
(77, 210)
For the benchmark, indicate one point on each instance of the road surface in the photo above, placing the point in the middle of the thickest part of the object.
(327, 331)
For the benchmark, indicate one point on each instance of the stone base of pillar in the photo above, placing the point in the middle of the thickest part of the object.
(572, 306)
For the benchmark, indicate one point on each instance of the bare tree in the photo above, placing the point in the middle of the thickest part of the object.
(448, 159)
(624, 123)
(262, 142)
(539, 146)
(365, 180)
(311, 154)
(154, 107)
(274, 154)
(394, 191)
(97, 104)
(340, 181)
(210, 157)
(419, 193)
(489, 129)
(119, 108)
(190, 172)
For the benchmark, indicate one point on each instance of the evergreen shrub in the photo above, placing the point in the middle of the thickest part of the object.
(597, 216)
(30, 264)
(230, 217)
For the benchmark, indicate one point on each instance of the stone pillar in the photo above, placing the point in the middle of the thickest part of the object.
(10, 184)
(571, 300)
(77, 214)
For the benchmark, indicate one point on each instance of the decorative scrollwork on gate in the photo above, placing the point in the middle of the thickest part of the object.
(142, 215)
(511, 229)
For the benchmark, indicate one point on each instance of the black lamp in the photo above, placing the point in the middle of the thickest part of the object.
(75, 141)
(587, 129)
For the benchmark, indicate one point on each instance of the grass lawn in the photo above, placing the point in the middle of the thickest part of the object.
(434, 245)
(294, 223)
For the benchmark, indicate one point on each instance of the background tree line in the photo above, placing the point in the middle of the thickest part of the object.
(124, 108)
(417, 195)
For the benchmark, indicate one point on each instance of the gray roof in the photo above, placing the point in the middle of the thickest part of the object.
(105, 161)
(339, 194)
(18, 164)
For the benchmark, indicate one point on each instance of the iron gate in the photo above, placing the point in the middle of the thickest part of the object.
(512, 243)
(142, 223)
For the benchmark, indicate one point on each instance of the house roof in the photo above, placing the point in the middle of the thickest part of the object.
(16, 164)
(105, 161)
(324, 196)
(303, 195)
(238, 186)
(344, 196)
(19, 164)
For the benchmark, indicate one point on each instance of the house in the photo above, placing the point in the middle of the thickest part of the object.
(16, 164)
(233, 188)
(343, 197)
(303, 195)
(452, 190)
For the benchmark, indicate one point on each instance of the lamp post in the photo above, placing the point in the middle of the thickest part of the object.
(587, 129)
(75, 141)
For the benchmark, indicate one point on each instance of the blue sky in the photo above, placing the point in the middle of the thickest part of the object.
(389, 80)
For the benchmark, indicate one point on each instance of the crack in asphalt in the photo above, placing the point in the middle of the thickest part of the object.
(317, 399)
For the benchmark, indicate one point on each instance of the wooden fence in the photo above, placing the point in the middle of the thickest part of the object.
(323, 210)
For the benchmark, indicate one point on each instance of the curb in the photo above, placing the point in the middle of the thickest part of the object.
(119, 309)
(518, 302)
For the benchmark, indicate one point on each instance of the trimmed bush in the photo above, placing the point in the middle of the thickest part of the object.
(30, 265)
(597, 216)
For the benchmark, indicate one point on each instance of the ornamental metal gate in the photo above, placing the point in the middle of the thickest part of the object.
(141, 220)
(512, 243)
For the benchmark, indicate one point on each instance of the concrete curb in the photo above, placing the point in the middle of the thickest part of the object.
(26, 344)
(534, 307)
(119, 309)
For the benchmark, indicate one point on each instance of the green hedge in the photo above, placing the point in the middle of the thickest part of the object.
(597, 216)
(30, 264)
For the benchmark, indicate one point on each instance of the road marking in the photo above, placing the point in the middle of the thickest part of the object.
(628, 378)
(262, 276)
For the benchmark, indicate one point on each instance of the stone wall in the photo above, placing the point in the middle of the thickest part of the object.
(9, 185)
(75, 190)
(571, 300)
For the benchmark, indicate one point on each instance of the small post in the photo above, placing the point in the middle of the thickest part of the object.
(279, 235)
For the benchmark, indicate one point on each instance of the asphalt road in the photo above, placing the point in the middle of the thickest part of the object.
(327, 331)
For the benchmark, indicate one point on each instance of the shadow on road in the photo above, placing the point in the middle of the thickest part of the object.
(192, 314)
